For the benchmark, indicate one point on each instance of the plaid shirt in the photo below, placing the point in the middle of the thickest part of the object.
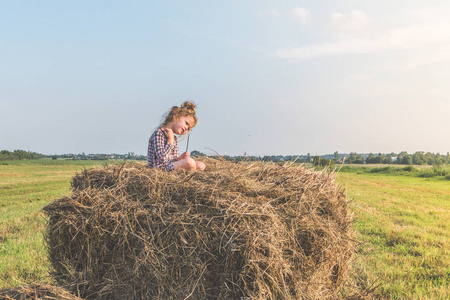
(160, 153)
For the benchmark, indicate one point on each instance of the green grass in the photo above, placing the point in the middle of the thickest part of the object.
(441, 172)
(25, 188)
(403, 222)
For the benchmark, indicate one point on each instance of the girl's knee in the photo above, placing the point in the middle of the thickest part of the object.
(200, 165)
(185, 164)
(191, 164)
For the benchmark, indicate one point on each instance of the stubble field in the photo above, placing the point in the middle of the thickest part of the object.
(402, 222)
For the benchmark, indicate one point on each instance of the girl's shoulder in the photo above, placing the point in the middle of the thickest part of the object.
(157, 133)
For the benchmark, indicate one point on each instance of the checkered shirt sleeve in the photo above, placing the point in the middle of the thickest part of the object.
(162, 154)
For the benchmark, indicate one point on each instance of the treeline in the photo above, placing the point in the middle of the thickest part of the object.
(275, 158)
(403, 158)
(19, 154)
(100, 156)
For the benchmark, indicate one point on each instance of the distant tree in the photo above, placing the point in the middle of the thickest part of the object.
(337, 158)
(19, 154)
(404, 158)
(196, 153)
(429, 158)
(6, 155)
(438, 160)
(418, 158)
(316, 160)
(407, 159)
(379, 159)
(355, 158)
(371, 159)
(323, 162)
(359, 159)
(386, 159)
(352, 157)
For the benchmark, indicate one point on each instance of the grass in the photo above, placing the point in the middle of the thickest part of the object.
(25, 187)
(402, 220)
(442, 172)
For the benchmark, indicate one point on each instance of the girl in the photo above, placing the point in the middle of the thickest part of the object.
(163, 144)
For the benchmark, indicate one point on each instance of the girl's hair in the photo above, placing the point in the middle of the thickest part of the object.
(187, 108)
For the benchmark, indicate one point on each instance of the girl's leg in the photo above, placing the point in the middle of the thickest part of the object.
(200, 165)
(185, 164)
(189, 164)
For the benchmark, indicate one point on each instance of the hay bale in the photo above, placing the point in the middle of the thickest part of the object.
(37, 291)
(256, 230)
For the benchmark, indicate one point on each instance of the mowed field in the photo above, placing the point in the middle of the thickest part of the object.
(402, 222)
(25, 188)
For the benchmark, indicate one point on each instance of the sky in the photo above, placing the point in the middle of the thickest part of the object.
(268, 77)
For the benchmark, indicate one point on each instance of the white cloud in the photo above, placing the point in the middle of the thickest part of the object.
(429, 36)
(351, 46)
(300, 14)
(354, 22)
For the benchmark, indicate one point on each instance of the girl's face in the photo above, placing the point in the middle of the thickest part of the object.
(183, 125)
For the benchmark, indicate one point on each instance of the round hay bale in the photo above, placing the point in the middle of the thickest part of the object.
(234, 231)
(37, 291)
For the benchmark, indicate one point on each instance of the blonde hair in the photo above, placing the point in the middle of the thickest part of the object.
(186, 109)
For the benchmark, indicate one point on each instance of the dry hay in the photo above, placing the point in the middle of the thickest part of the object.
(234, 231)
(37, 291)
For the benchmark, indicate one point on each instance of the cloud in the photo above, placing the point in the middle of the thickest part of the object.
(354, 22)
(429, 35)
(300, 14)
(351, 46)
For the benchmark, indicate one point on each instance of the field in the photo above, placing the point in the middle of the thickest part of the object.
(402, 221)
(26, 187)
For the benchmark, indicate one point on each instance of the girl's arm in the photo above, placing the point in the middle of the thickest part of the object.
(184, 155)
(169, 134)
(176, 152)
(163, 148)
(172, 140)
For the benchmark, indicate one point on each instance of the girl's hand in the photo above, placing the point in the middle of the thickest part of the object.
(184, 155)
(169, 134)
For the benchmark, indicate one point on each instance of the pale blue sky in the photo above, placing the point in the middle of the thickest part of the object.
(269, 77)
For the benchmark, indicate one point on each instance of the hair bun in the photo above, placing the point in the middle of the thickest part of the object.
(189, 105)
